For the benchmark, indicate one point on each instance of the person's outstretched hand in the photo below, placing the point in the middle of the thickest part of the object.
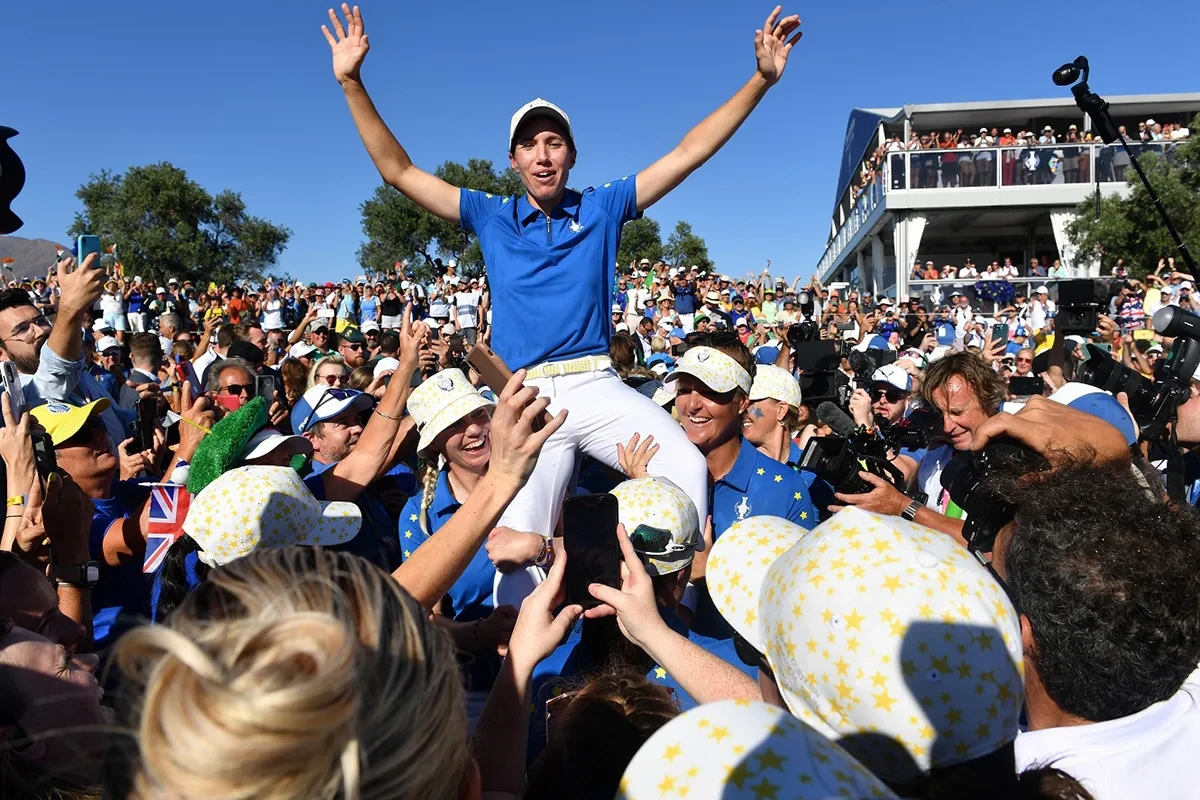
(538, 630)
(772, 46)
(634, 458)
(1056, 431)
(351, 45)
(515, 444)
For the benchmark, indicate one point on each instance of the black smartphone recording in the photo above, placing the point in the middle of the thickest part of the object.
(590, 540)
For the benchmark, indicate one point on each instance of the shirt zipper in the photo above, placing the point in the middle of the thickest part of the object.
(548, 229)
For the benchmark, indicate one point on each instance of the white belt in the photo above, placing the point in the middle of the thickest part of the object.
(575, 366)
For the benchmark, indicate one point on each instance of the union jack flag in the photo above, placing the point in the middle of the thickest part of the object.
(167, 511)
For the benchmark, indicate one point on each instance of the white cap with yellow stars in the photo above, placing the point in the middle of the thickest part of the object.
(662, 522)
(714, 369)
(777, 384)
(737, 749)
(254, 507)
(738, 564)
(876, 625)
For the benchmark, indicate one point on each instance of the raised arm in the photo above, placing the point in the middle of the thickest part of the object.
(349, 48)
(771, 47)
(434, 566)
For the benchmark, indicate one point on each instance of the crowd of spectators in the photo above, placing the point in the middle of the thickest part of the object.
(975, 160)
(325, 616)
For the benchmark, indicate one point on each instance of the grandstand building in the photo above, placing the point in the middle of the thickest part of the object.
(901, 201)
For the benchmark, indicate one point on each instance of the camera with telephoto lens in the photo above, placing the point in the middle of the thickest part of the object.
(1153, 403)
(965, 479)
(839, 459)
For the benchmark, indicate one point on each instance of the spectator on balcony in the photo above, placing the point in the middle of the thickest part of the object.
(1058, 271)
(1036, 268)
(1047, 136)
(931, 272)
(968, 272)
(985, 158)
(949, 159)
(917, 272)
(1071, 156)
(991, 272)
(949, 272)
(966, 162)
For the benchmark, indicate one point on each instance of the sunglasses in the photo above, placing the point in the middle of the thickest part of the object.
(341, 379)
(1024, 360)
(237, 389)
(352, 346)
(651, 541)
(892, 395)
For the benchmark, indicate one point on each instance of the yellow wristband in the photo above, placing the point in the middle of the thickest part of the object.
(18, 500)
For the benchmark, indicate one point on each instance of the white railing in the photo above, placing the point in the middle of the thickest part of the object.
(1002, 168)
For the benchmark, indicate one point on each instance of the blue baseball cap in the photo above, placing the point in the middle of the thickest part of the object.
(1096, 402)
(325, 402)
(766, 354)
(677, 333)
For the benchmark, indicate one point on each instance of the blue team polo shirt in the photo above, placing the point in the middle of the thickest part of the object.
(471, 595)
(759, 486)
(566, 258)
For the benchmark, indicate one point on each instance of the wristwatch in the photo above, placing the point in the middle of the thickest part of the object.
(80, 575)
(910, 513)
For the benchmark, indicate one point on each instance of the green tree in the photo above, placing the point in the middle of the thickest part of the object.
(1130, 227)
(165, 225)
(686, 249)
(640, 238)
(398, 229)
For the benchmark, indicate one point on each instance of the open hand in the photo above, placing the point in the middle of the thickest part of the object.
(515, 444)
(351, 45)
(634, 458)
(772, 46)
(538, 631)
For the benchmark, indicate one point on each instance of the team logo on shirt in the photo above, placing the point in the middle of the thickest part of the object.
(743, 509)
(575, 226)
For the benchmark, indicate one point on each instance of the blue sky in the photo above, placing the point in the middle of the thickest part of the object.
(242, 97)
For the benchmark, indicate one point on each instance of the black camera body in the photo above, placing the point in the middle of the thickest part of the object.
(1079, 304)
(1153, 403)
(987, 510)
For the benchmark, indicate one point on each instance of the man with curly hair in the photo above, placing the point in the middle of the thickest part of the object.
(1105, 579)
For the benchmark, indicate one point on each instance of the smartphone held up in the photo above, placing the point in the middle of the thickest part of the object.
(590, 540)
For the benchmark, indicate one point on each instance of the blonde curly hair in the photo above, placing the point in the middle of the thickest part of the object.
(297, 672)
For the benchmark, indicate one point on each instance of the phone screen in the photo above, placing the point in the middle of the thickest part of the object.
(590, 539)
(999, 333)
(147, 419)
(265, 388)
(10, 383)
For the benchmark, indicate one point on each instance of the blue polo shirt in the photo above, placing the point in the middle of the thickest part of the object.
(567, 257)
(759, 486)
(471, 595)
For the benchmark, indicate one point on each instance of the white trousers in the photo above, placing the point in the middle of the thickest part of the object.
(602, 412)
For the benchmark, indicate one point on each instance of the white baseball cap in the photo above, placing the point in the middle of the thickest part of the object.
(714, 369)
(539, 108)
(661, 522)
(776, 384)
(740, 749)
(385, 364)
(301, 350)
(107, 343)
(268, 439)
(893, 375)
